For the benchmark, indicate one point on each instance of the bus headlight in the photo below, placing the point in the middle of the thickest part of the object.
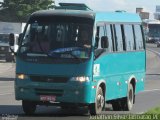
(21, 76)
(80, 79)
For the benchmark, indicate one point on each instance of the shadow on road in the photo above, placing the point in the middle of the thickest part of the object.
(10, 109)
(6, 79)
(42, 112)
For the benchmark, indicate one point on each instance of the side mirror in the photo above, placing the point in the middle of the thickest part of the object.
(104, 42)
(20, 37)
(11, 39)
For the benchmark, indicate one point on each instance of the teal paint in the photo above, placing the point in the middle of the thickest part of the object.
(113, 68)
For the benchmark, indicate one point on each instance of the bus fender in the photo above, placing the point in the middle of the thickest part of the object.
(132, 77)
(129, 80)
(98, 84)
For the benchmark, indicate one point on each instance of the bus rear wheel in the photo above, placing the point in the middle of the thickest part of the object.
(127, 102)
(28, 107)
(97, 107)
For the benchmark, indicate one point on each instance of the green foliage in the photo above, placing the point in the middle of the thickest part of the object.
(23, 8)
(154, 111)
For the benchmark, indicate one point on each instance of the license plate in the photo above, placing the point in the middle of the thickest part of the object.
(47, 98)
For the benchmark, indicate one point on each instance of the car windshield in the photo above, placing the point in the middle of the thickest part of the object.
(4, 38)
(57, 39)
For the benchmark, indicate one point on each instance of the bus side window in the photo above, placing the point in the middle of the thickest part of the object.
(112, 36)
(100, 34)
(143, 37)
(118, 38)
(128, 31)
(109, 35)
(138, 37)
(134, 37)
(101, 44)
(97, 38)
(123, 38)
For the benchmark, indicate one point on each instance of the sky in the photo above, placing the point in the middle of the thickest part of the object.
(113, 5)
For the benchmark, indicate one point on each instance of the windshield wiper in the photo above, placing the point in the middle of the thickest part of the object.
(66, 52)
(74, 56)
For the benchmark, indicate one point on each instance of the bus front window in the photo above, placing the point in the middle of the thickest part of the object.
(154, 30)
(59, 39)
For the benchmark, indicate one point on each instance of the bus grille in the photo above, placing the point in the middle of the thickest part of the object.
(49, 79)
(55, 92)
(4, 48)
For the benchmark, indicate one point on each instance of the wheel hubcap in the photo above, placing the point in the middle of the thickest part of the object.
(100, 101)
(130, 98)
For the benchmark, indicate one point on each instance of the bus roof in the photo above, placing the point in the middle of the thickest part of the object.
(72, 6)
(62, 12)
(120, 17)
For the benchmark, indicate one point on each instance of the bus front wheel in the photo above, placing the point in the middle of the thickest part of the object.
(28, 107)
(97, 107)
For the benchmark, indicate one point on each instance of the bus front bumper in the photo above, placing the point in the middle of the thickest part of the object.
(71, 92)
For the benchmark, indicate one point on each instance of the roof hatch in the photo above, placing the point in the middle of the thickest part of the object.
(72, 6)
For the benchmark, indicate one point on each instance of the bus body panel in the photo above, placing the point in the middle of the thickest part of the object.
(72, 92)
(65, 69)
(117, 68)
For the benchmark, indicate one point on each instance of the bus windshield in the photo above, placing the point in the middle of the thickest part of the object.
(57, 39)
(154, 30)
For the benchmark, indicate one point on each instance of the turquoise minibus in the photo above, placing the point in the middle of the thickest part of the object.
(75, 57)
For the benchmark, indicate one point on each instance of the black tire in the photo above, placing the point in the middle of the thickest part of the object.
(98, 106)
(29, 107)
(127, 103)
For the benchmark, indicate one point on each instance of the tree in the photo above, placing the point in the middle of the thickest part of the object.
(22, 9)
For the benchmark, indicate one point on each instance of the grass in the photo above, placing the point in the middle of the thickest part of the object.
(154, 111)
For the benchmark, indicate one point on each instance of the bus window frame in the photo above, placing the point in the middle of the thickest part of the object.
(143, 38)
(134, 37)
(113, 33)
